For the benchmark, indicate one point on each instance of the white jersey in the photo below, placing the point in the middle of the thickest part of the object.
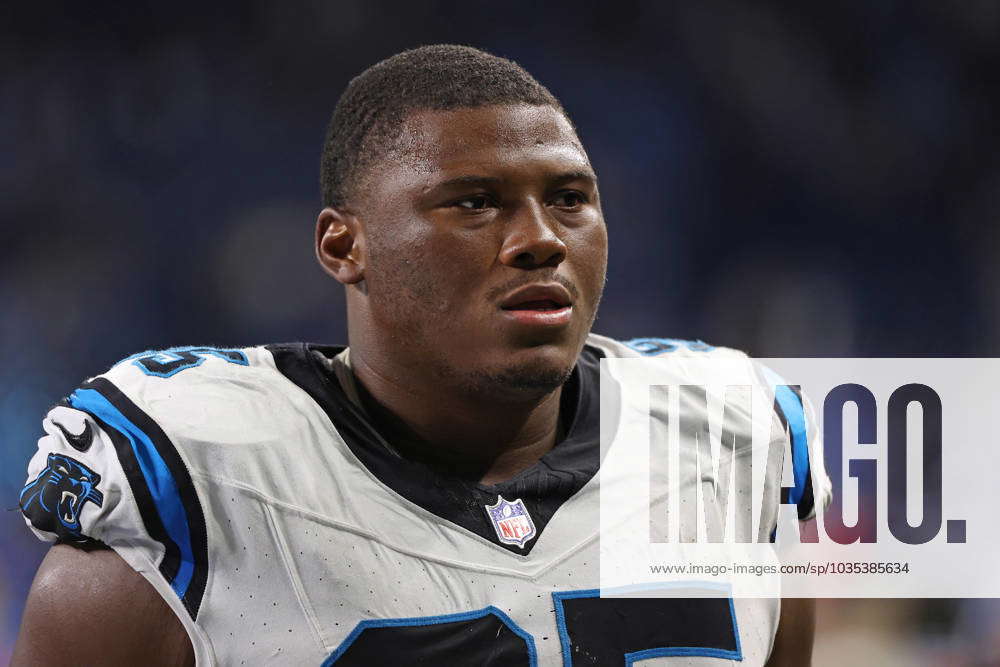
(260, 501)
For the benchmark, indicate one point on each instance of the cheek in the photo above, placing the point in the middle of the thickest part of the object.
(592, 256)
(421, 278)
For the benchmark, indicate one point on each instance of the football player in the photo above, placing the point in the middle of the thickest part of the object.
(426, 495)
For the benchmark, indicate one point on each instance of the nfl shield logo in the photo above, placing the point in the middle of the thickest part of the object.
(511, 521)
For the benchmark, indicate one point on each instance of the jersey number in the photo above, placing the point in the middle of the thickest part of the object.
(167, 363)
(592, 631)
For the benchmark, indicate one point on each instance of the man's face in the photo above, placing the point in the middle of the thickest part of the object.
(486, 248)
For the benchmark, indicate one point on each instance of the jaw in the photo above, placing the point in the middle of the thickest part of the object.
(520, 376)
(473, 353)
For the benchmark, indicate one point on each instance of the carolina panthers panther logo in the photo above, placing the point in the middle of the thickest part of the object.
(53, 501)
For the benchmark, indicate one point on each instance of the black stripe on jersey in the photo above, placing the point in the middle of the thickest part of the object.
(195, 517)
(543, 487)
(807, 501)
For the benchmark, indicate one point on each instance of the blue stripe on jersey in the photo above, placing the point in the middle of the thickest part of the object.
(791, 406)
(162, 485)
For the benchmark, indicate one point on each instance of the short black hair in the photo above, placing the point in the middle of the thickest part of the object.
(369, 115)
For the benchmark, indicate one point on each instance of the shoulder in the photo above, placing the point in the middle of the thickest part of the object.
(205, 390)
(660, 347)
(122, 457)
(729, 362)
(791, 412)
(177, 371)
(115, 461)
(141, 457)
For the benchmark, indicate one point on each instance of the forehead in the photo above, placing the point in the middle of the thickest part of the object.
(483, 136)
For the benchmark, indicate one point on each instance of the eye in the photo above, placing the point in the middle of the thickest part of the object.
(62, 470)
(475, 203)
(569, 199)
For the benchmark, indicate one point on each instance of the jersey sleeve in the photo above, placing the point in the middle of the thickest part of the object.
(106, 472)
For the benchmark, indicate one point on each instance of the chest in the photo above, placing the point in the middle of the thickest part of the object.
(289, 587)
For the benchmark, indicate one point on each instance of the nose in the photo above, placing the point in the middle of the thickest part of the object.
(530, 241)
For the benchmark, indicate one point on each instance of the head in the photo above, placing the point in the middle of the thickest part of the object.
(463, 216)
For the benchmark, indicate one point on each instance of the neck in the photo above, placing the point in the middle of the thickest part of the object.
(476, 437)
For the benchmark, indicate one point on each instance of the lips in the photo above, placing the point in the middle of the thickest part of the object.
(538, 298)
(540, 305)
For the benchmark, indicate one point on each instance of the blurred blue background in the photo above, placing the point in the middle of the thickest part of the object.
(793, 179)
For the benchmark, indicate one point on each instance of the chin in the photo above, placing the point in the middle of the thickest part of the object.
(525, 375)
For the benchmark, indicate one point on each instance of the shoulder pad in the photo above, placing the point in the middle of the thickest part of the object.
(657, 347)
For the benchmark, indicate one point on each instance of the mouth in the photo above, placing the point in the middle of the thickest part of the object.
(545, 305)
(68, 509)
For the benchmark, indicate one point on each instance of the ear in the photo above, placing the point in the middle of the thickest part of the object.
(340, 245)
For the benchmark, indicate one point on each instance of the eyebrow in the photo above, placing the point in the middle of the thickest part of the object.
(469, 180)
(559, 179)
(577, 175)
